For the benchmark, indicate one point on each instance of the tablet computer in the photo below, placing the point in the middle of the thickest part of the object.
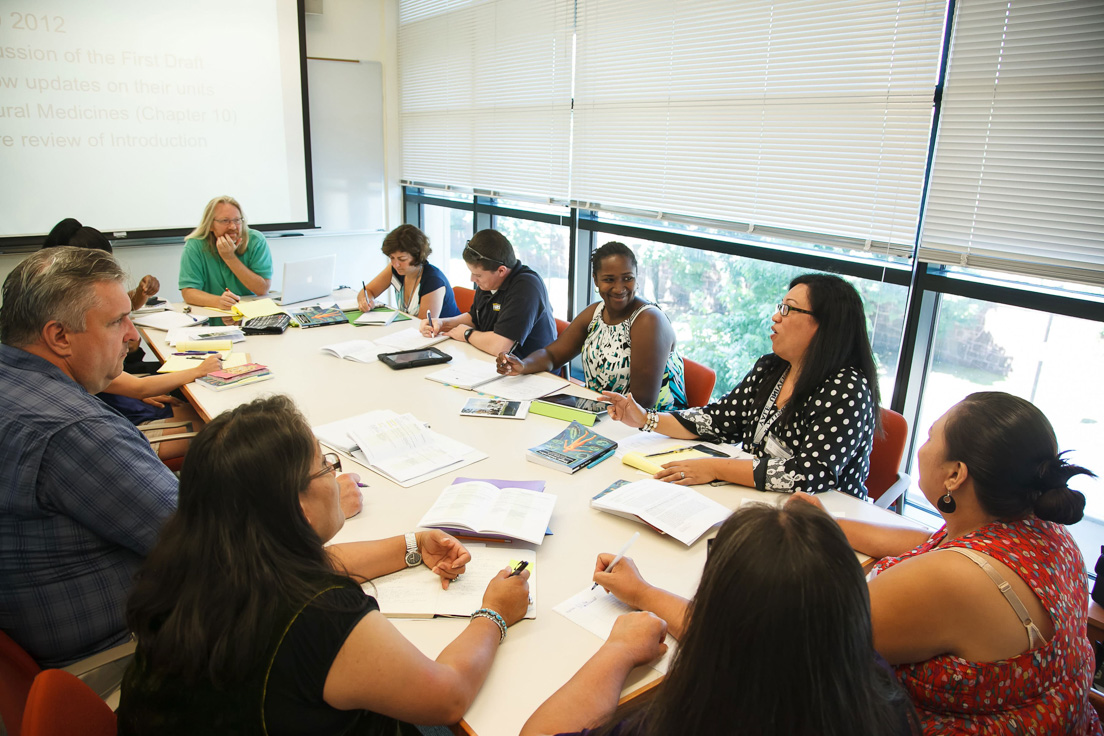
(590, 406)
(414, 358)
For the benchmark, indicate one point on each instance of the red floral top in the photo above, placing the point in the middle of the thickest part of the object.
(1041, 691)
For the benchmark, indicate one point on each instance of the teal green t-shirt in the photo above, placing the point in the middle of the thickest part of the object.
(200, 269)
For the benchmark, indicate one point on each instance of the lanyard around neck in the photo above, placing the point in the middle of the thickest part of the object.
(766, 417)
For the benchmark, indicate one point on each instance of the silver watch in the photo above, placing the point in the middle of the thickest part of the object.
(413, 556)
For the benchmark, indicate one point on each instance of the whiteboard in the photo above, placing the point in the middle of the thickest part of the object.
(346, 132)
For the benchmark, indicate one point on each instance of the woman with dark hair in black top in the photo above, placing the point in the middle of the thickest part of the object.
(247, 623)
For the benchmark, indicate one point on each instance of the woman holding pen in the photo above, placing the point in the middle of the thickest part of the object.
(247, 622)
(223, 258)
(776, 641)
(420, 287)
(627, 343)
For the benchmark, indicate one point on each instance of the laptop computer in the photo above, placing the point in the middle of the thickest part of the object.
(309, 279)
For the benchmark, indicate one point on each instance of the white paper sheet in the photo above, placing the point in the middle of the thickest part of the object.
(416, 591)
(597, 611)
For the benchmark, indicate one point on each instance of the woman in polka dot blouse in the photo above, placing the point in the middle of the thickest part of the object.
(807, 412)
(984, 621)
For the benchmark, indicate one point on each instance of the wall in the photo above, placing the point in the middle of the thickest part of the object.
(348, 29)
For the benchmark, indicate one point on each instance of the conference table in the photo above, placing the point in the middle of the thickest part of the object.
(538, 655)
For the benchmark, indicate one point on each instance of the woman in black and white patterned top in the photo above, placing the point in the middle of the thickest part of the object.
(807, 412)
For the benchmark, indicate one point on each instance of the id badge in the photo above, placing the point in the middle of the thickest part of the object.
(776, 449)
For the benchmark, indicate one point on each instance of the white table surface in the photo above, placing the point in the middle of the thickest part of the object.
(538, 655)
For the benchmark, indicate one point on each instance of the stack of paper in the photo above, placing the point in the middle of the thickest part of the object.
(416, 592)
(409, 452)
(164, 320)
(204, 332)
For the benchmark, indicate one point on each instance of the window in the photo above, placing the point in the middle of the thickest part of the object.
(721, 306)
(1048, 359)
(448, 230)
(543, 248)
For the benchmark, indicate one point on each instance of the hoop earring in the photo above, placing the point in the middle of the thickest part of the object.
(946, 503)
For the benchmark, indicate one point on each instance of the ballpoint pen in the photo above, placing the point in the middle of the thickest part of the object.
(517, 570)
(619, 556)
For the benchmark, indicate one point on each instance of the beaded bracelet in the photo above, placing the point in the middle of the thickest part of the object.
(493, 616)
(650, 421)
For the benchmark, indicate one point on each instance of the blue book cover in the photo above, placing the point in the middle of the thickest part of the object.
(574, 448)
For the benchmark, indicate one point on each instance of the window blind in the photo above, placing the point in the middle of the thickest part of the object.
(1017, 181)
(485, 94)
(811, 119)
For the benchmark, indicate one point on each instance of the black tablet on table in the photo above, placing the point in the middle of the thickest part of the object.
(414, 358)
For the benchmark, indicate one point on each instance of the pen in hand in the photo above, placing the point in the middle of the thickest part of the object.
(619, 556)
(517, 570)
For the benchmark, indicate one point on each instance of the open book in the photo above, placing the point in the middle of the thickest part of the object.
(482, 375)
(516, 513)
(676, 510)
(416, 592)
(409, 339)
(360, 351)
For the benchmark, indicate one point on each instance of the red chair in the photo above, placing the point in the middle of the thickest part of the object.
(700, 380)
(59, 704)
(886, 484)
(464, 298)
(17, 672)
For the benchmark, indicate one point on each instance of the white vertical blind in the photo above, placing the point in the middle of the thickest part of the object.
(1018, 176)
(809, 117)
(485, 94)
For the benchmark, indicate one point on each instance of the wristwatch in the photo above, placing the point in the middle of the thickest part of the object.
(413, 556)
(467, 334)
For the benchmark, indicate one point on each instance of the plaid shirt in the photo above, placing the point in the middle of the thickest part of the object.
(82, 498)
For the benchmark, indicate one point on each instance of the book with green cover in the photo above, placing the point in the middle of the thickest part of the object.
(563, 412)
(573, 449)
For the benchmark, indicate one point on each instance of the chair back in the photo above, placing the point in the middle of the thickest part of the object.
(700, 380)
(17, 672)
(886, 455)
(59, 704)
(561, 325)
(464, 298)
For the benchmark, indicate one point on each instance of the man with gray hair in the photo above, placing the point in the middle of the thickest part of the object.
(82, 494)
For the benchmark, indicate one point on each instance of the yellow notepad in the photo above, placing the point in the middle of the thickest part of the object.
(652, 464)
(256, 308)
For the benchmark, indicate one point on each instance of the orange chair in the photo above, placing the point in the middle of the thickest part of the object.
(59, 704)
(885, 483)
(464, 298)
(17, 672)
(700, 380)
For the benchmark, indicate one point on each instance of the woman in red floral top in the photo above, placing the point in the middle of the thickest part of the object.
(976, 656)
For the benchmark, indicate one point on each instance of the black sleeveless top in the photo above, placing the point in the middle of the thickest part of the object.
(281, 696)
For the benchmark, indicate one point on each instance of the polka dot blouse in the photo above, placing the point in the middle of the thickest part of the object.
(823, 445)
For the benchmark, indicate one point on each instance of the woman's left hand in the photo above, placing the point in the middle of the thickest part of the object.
(689, 472)
(443, 554)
